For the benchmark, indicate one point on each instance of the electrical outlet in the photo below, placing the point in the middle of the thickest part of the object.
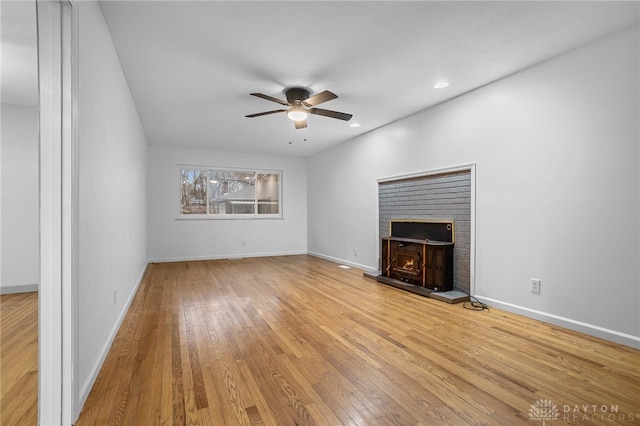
(244, 244)
(115, 296)
(535, 285)
(355, 251)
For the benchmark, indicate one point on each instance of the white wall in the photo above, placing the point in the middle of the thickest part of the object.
(112, 210)
(557, 186)
(171, 239)
(20, 206)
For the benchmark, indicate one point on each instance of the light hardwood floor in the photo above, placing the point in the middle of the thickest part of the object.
(19, 359)
(297, 340)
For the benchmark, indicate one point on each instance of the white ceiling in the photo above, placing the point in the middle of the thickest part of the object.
(192, 64)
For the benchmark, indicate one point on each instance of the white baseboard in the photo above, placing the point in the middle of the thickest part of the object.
(223, 256)
(95, 370)
(590, 329)
(22, 288)
(343, 262)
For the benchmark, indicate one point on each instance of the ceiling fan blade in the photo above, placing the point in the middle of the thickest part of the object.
(265, 113)
(319, 98)
(270, 98)
(333, 114)
(301, 124)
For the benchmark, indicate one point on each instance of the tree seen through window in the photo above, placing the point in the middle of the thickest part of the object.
(229, 193)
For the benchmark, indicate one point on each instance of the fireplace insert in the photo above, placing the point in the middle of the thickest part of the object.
(420, 261)
(406, 262)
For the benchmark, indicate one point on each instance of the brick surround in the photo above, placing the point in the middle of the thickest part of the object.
(444, 196)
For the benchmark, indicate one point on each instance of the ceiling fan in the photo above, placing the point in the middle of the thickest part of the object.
(302, 104)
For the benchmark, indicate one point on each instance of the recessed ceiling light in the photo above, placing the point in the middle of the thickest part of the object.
(354, 124)
(441, 84)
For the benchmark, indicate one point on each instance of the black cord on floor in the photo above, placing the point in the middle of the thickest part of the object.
(474, 304)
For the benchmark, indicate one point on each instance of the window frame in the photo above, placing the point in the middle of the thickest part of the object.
(228, 216)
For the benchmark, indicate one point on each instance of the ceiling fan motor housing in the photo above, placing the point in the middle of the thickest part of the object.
(296, 95)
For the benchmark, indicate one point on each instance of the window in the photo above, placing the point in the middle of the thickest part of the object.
(229, 194)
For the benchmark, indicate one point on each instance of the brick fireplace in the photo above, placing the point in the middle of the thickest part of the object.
(432, 197)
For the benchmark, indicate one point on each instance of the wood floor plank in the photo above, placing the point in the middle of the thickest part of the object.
(295, 340)
(19, 358)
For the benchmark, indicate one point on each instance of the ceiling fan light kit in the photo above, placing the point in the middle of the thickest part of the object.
(302, 104)
(297, 113)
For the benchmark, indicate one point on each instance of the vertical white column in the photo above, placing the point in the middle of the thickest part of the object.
(70, 222)
(58, 218)
(50, 301)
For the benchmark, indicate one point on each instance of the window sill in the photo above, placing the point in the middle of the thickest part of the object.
(228, 217)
